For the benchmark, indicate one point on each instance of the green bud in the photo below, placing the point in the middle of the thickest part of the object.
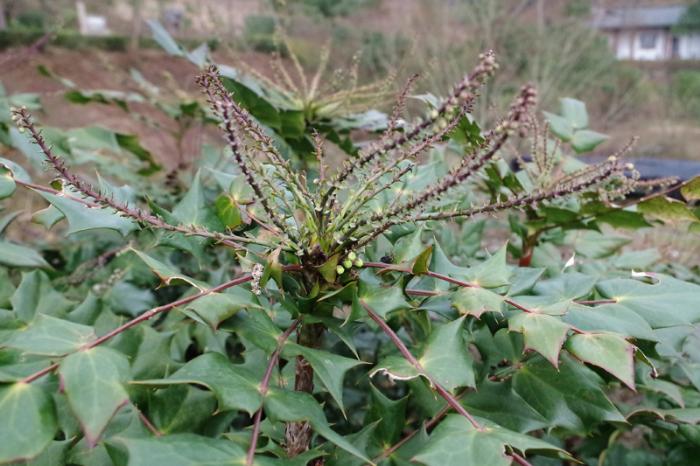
(352, 256)
(358, 263)
(347, 263)
(340, 270)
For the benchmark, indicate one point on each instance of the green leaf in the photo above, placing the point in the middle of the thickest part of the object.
(491, 273)
(456, 442)
(610, 352)
(446, 359)
(81, 217)
(498, 402)
(7, 182)
(383, 299)
(666, 303)
(586, 140)
(193, 209)
(35, 295)
(609, 318)
(390, 416)
(167, 273)
(93, 381)
(575, 112)
(234, 386)
(570, 396)
(28, 422)
(542, 333)
(476, 300)
(181, 450)
(422, 261)
(691, 190)
(287, 406)
(560, 127)
(48, 217)
(50, 336)
(666, 209)
(15, 255)
(228, 212)
(328, 367)
(217, 307)
(131, 143)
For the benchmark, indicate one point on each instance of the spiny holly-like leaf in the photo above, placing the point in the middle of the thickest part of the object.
(575, 112)
(181, 450)
(167, 273)
(543, 333)
(586, 140)
(50, 336)
(570, 285)
(389, 414)
(93, 381)
(560, 126)
(28, 422)
(666, 303)
(491, 273)
(15, 255)
(455, 442)
(234, 386)
(498, 402)
(608, 351)
(82, 218)
(476, 300)
(382, 299)
(328, 367)
(284, 405)
(570, 397)
(445, 359)
(193, 209)
(609, 318)
(35, 295)
(217, 307)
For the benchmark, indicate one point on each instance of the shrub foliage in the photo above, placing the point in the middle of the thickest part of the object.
(345, 313)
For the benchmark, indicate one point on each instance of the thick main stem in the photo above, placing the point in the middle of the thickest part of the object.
(298, 434)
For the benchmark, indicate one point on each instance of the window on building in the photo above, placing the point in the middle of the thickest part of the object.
(647, 40)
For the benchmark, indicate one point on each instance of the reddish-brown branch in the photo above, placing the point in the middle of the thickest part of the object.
(451, 400)
(152, 313)
(432, 422)
(147, 422)
(264, 386)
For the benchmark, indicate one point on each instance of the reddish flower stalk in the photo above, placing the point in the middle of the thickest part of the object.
(25, 123)
(264, 386)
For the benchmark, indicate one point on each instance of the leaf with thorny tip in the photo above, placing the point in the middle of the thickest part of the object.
(542, 333)
(610, 352)
(475, 301)
(167, 273)
(28, 422)
(93, 381)
(446, 360)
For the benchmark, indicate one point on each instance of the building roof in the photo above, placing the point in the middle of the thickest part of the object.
(643, 17)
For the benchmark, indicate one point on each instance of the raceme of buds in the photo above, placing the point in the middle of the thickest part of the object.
(339, 213)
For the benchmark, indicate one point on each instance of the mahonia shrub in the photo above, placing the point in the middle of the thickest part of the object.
(279, 315)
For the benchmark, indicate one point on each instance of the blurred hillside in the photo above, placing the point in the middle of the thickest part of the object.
(548, 42)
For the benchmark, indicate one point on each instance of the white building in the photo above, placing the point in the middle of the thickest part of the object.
(646, 33)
